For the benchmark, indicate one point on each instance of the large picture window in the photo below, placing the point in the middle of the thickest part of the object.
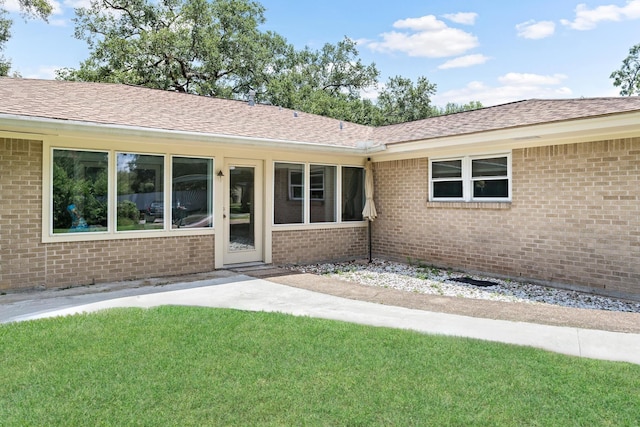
(80, 191)
(109, 192)
(477, 178)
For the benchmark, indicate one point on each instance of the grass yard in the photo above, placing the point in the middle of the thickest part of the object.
(199, 366)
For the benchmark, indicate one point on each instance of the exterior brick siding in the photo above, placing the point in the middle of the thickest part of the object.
(26, 262)
(309, 246)
(574, 218)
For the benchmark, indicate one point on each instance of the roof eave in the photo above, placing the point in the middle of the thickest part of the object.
(615, 126)
(41, 126)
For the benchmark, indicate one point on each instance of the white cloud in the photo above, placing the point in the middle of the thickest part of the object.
(523, 79)
(77, 3)
(464, 61)
(466, 18)
(535, 30)
(588, 19)
(425, 37)
(512, 87)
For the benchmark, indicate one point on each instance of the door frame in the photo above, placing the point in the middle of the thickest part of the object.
(258, 254)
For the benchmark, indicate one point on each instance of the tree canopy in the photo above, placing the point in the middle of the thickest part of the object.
(31, 9)
(627, 78)
(216, 48)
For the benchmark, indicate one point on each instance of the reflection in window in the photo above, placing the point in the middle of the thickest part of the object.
(471, 178)
(288, 190)
(352, 193)
(447, 179)
(322, 183)
(140, 182)
(80, 185)
(191, 193)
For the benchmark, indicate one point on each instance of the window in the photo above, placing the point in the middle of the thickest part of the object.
(140, 183)
(296, 184)
(477, 178)
(288, 200)
(139, 201)
(310, 193)
(352, 193)
(191, 193)
(80, 191)
(322, 183)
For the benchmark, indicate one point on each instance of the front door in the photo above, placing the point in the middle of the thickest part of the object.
(243, 213)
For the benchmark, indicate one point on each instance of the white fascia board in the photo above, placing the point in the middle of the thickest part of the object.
(37, 126)
(622, 125)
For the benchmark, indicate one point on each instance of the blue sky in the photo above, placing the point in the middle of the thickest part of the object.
(473, 50)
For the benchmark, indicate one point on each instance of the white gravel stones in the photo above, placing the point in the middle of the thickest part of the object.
(429, 280)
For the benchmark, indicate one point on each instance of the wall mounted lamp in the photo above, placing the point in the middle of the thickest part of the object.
(220, 173)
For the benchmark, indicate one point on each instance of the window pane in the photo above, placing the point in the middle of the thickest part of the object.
(489, 167)
(323, 193)
(491, 188)
(352, 193)
(80, 185)
(451, 189)
(446, 169)
(288, 186)
(191, 190)
(140, 184)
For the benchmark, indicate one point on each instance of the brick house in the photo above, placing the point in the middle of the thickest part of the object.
(103, 182)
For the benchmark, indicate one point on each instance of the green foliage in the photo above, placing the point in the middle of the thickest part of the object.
(199, 366)
(196, 46)
(128, 213)
(216, 48)
(402, 101)
(627, 78)
(89, 196)
(5, 34)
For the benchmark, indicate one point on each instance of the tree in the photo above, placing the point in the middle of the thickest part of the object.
(628, 76)
(31, 9)
(452, 107)
(402, 101)
(196, 46)
(326, 82)
(215, 48)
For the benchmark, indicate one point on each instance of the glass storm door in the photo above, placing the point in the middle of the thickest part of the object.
(243, 212)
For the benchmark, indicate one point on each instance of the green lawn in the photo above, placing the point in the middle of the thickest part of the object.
(197, 366)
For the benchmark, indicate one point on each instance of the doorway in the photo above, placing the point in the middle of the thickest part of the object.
(243, 212)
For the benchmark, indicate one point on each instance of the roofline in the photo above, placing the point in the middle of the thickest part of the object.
(608, 126)
(46, 126)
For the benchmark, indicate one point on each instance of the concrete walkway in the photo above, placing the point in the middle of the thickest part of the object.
(251, 294)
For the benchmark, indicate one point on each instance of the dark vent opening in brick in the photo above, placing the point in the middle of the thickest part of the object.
(474, 282)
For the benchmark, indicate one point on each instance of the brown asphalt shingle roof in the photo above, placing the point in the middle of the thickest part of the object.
(505, 116)
(123, 105)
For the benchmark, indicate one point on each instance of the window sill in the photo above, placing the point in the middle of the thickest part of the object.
(470, 205)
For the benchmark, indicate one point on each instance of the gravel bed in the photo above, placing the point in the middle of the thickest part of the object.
(429, 280)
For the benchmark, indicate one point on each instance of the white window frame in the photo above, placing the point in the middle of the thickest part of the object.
(111, 233)
(307, 195)
(468, 180)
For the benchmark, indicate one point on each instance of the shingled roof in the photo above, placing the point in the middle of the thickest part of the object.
(124, 105)
(506, 116)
